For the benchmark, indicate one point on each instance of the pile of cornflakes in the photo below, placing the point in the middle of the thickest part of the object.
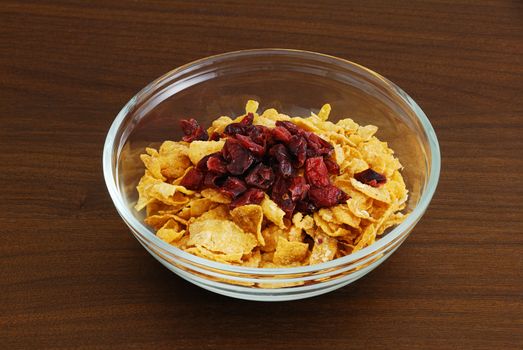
(255, 228)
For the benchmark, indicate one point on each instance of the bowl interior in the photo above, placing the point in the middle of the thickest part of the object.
(293, 82)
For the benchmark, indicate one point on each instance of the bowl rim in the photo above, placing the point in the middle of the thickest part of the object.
(413, 217)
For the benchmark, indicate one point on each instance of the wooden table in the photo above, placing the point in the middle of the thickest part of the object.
(71, 276)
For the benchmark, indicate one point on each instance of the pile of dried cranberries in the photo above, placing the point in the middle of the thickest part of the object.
(287, 162)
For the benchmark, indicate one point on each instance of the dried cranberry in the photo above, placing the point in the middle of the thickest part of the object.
(260, 134)
(240, 164)
(283, 162)
(281, 196)
(233, 187)
(235, 129)
(202, 163)
(279, 187)
(251, 196)
(285, 168)
(214, 136)
(241, 128)
(247, 120)
(323, 143)
(251, 145)
(212, 180)
(193, 179)
(287, 205)
(298, 148)
(342, 197)
(298, 188)
(371, 178)
(279, 152)
(316, 146)
(316, 172)
(281, 134)
(306, 207)
(323, 197)
(215, 163)
(290, 126)
(332, 166)
(193, 130)
(260, 176)
(238, 157)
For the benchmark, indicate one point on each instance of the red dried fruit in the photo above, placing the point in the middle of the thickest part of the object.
(281, 134)
(241, 128)
(212, 179)
(316, 172)
(248, 143)
(233, 187)
(331, 165)
(279, 187)
(318, 140)
(281, 196)
(342, 196)
(298, 148)
(193, 130)
(298, 188)
(251, 196)
(214, 136)
(260, 134)
(247, 120)
(216, 163)
(234, 129)
(287, 205)
(283, 162)
(371, 178)
(238, 157)
(202, 164)
(316, 146)
(260, 176)
(193, 179)
(291, 127)
(305, 207)
(323, 197)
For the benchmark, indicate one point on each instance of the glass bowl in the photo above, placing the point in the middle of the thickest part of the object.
(295, 83)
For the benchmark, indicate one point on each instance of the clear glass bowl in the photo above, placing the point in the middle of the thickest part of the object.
(294, 82)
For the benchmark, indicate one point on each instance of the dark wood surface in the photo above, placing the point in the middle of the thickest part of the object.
(71, 276)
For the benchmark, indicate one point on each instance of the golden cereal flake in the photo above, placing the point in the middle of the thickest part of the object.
(203, 252)
(150, 188)
(249, 218)
(343, 214)
(272, 212)
(215, 196)
(200, 149)
(380, 194)
(199, 206)
(219, 125)
(170, 232)
(251, 106)
(270, 234)
(324, 112)
(174, 159)
(152, 163)
(324, 249)
(289, 252)
(221, 236)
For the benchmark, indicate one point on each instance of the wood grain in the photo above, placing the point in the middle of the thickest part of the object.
(71, 276)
